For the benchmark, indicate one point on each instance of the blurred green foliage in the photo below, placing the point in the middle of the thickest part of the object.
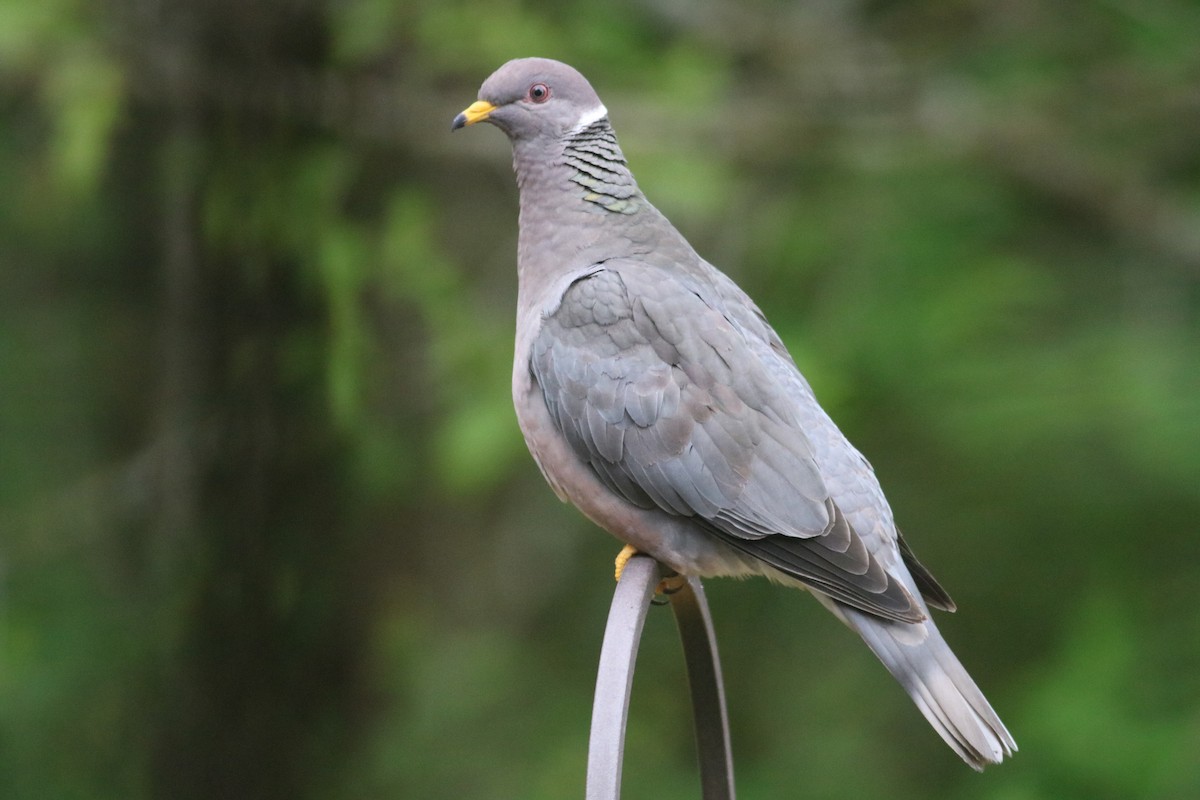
(267, 526)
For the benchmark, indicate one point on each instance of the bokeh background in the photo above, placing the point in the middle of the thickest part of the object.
(268, 528)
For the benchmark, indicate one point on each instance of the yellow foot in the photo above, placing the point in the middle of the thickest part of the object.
(670, 585)
(667, 586)
(627, 552)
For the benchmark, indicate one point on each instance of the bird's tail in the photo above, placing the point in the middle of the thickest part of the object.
(919, 658)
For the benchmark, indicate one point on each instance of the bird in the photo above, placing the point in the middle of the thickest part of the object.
(655, 397)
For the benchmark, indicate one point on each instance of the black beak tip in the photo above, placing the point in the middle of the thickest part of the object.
(459, 122)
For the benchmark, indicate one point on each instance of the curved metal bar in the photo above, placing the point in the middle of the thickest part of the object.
(708, 690)
(614, 681)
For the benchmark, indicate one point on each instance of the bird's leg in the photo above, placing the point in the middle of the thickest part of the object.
(627, 552)
(669, 585)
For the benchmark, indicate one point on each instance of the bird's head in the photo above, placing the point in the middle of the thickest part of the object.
(533, 98)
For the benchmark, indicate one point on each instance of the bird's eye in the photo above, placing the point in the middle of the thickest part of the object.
(539, 93)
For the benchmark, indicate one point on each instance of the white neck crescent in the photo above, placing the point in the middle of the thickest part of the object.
(590, 116)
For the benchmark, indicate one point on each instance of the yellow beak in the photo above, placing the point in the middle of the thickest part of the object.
(476, 112)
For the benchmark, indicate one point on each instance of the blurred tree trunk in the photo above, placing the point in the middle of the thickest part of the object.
(269, 641)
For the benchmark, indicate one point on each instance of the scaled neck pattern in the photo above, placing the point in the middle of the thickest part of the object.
(579, 206)
(599, 168)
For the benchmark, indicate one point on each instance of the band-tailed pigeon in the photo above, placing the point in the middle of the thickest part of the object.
(655, 397)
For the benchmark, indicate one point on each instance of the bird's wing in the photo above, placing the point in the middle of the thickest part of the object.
(660, 393)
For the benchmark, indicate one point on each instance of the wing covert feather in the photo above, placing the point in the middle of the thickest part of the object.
(659, 392)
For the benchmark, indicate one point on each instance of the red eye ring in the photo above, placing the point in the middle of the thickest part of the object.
(539, 93)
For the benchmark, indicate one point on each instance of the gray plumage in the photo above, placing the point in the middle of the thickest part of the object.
(654, 396)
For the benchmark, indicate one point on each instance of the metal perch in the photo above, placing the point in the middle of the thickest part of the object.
(606, 746)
